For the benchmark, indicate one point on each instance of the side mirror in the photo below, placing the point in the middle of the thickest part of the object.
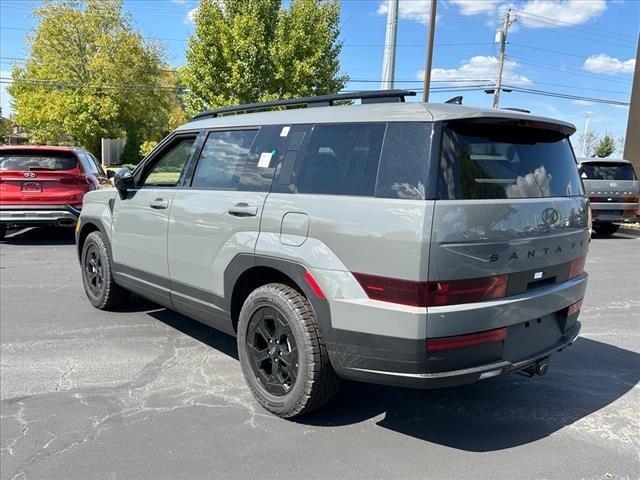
(123, 180)
(110, 174)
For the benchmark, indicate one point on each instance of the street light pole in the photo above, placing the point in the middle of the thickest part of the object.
(427, 64)
(389, 60)
(585, 133)
(501, 35)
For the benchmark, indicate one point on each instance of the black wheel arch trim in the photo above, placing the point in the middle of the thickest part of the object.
(94, 222)
(243, 262)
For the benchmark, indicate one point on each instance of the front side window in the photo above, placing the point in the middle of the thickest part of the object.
(505, 160)
(222, 159)
(341, 159)
(167, 171)
(607, 171)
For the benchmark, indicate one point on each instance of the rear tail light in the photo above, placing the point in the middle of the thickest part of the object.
(424, 294)
(630, 200)
(462, 341)
(467, 291)
(573, 308)
(630, 213)
(576, 267)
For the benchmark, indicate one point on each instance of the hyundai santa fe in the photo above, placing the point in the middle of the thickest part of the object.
(613, 190)
(44, 185)
(393, 242)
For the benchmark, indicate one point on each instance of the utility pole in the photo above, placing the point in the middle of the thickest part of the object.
(501, 36)
(389, 60)
(427, 64)
(632, 140)
(585, 133)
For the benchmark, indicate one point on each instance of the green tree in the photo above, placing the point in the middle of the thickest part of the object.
(91, 75)
(245, 51)
(606, 146)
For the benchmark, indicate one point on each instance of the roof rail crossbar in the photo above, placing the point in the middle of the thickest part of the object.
(523, 110)
(365, 96)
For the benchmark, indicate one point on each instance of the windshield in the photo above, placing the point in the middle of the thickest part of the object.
(40, 161)
(607, 171)
(485, 161)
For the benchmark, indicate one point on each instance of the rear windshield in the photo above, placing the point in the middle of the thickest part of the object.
(40, 161)
(607, 171)
(506, 160)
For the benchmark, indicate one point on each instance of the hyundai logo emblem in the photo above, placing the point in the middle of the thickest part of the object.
(613, 184)
(29, 175)
(550, 216)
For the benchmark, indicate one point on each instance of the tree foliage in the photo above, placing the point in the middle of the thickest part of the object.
(90, 75)
(605, 147)
(245, 51)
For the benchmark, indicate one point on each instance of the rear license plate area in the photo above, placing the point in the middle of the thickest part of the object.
(529, 338)
(31, 187)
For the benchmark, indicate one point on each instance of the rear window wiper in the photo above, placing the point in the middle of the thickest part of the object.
(44, 168)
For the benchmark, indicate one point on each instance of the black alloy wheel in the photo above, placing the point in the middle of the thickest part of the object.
(272, 350)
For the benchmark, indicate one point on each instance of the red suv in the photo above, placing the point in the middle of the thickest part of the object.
(44, 185)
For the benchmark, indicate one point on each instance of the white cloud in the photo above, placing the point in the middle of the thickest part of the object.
(473, 7)
(478, 69)
(190, 16)
(564, 11)
(4, 95)
(179, 2)
(416, 10)
(603, 63)
(582, 102)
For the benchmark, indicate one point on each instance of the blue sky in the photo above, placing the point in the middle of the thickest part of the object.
(584, 48)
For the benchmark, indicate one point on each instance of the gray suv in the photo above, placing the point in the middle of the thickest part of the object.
(613, 190)
(410, 244)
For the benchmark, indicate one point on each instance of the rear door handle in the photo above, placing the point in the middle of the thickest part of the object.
(159, 204)
(243, 210)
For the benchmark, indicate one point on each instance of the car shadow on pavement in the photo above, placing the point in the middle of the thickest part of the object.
(499, 413)
(490, 415)
(41, 236)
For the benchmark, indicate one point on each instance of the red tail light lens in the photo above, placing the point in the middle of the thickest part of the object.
(576, 267)
(467, 291)
(394, 290)
(574, 308)
(462, 341)
(423, 294)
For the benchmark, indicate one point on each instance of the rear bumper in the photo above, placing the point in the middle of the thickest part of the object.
(23, 215)
(536, 326)
(462, 376)
(614, 212)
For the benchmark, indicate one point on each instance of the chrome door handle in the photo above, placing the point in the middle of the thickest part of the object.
(159, 204)
(243, 210)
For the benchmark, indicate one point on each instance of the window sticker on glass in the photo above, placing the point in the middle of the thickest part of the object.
(285, 131)
(265, 159)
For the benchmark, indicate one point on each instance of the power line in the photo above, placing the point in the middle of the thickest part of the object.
(585, 57)
(534, 91)
(575, 25)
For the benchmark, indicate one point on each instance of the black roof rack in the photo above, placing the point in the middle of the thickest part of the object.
(523, 110)
(365, 96)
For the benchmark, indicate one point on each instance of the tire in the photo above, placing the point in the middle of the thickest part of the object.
(605, 229)
(97, 275)
(303, 380)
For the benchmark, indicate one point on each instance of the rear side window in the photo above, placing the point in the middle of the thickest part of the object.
(259, 167)
(404, 164)
(607, 171)
(37, 161)
(341, 159)
(222, 159)
(505, 160)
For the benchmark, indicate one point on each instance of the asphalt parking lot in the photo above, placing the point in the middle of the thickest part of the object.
(148, 393)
